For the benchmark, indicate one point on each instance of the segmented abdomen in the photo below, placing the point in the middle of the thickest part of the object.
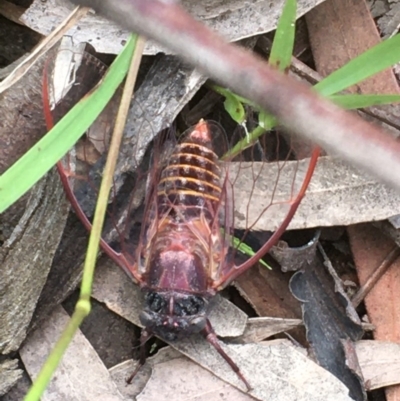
(190, 183)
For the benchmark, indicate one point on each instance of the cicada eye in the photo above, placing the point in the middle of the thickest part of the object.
(155, 302)
(189, 306)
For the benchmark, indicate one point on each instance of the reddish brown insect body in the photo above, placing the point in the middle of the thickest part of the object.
(179, 254)
(182, 259)
(185, 246)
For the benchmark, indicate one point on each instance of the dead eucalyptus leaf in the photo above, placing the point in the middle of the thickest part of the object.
(234, 19)
(353, 196)
(276, 370)
(81, 375)
(9, 375)
(380, 362)
(260, 328)
(26, 258)
(189, 381)
(120, 372)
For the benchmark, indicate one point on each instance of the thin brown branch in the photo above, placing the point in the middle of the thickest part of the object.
(375, 276)
(297, 107)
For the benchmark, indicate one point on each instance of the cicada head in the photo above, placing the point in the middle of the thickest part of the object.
(172, 315)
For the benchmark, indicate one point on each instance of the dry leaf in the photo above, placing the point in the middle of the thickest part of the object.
(26, 258)
(81, 375)
(380, 363)
(260, 328)
(188, 382)
(275, 369)
(234, 19)
(9, 375)
(353, 196)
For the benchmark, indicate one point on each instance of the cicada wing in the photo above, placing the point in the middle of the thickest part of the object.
(266, 182)
(158, 156)
(71, 73)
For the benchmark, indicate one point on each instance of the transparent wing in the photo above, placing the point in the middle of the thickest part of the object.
(267, 180)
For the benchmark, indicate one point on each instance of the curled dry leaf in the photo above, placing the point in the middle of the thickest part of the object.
(329, 319)
(293, 258)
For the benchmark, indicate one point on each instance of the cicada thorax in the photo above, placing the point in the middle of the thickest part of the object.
(185, 245)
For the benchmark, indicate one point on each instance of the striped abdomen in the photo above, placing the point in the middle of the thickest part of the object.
(191, 182)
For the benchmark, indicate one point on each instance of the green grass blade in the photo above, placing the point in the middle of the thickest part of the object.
(268, 122)
(108, 174)
(35, 163)
(282, 46)
(374, 60)
(247, 250)
(356, 101)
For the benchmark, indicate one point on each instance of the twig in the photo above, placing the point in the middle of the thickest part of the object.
(375, 276)
(298, 108)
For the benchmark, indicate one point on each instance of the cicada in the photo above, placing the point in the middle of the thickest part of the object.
(180, 248)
